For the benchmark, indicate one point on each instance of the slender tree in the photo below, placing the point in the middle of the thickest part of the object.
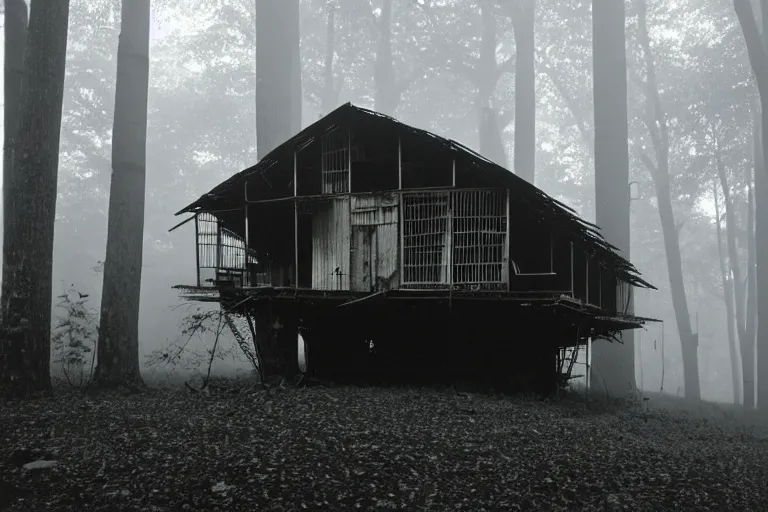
(15, 42)
(728, 298)
(658, 129)
(25, 343)
(613, 364)
(118, 346)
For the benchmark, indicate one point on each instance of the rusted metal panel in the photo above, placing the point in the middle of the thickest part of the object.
(331, 245)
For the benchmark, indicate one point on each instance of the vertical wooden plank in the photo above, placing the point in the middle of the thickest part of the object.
(453, 178)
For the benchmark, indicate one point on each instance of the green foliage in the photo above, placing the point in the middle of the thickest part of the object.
(74, 337)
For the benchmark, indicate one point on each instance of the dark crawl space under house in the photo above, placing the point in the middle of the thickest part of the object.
(399, 254)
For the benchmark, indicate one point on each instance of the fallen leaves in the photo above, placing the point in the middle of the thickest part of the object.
(368, 449)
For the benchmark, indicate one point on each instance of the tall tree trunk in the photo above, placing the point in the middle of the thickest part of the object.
(735, 281)
(758, 59)
(751, 315)
(278, 74)
(387, 97)
(658, 130)
(25, 344)
(278, 117)
(761, 268)
(728, 299)
(15, 42)
(761, 236)
(330, 92)
(525, 90)
(489, 131)
(613, 362)
(118, 348)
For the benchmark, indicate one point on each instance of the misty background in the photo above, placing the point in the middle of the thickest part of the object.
(201, 130)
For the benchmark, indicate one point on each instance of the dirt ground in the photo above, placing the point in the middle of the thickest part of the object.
(346, 448)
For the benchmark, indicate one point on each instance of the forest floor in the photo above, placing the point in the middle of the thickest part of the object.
(348, 448)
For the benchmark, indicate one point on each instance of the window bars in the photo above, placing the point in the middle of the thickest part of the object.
(220, 253)
(454, 239)
(335, 162)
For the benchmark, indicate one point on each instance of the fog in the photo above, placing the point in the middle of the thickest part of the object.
(202, 129)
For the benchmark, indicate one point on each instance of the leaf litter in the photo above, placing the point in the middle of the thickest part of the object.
(347, 448)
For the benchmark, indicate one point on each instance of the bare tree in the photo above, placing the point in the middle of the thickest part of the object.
(613, 363)
(118, 346)
(25, 343)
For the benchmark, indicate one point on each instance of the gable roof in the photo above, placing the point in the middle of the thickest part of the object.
(546, 207)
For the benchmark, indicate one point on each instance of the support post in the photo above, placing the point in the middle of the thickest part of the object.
(349, 160)
(599, 286)
(246, 268)
(505, 270)
(197, 249)
(587, 278)
(399, 165)
(449, 270)
(295, 223)
(402, 238)
(218, 249)
(587, 373)
(453, 173)
(551, 253)
(572, 288)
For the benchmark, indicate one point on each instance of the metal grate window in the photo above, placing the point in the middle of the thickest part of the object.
(455, 238)
(335, 162)
(220, 252)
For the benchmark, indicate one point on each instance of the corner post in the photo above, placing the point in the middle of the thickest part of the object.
(295, 223)
(551, 253)
(197, 249)
(399, 164)
(587, 276)
(506, 275)
(401, 199)
(246, 269)
(572, 288)
(349, 160)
